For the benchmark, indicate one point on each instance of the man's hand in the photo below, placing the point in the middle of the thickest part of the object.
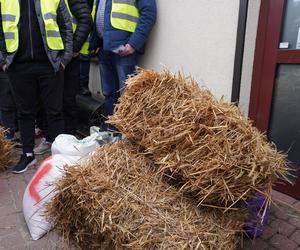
(75, 54)
(4, 67)
(62, 66)
(94, 52)
(128, 50)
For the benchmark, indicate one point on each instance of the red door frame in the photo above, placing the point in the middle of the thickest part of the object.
(267, 56)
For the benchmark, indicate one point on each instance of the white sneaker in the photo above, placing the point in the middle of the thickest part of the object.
(43, 147)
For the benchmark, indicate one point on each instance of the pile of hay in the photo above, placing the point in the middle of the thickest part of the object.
(117, 201)
(205, 143)
(6, 151)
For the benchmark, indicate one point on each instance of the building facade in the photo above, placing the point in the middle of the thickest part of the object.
(245, 50)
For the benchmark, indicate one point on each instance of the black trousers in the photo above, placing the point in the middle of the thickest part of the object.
(84, 71)
(30, 83)
(7, 104)
(71, 85)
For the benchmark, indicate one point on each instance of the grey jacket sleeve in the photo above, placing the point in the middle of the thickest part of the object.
(64, 21)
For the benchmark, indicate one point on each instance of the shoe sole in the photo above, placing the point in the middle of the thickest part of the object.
(41, 152)
(33, 163)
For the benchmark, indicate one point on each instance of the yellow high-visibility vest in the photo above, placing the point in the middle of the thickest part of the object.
(124, 15)
(85, 47)
(74, 21)
(10, 12)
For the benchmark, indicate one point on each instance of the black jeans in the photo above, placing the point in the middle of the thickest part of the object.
(7, 104)
(71, 85)
(30, 83)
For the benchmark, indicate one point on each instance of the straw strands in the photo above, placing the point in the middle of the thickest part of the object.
(117, 201)
(205, 143)
(6, 151)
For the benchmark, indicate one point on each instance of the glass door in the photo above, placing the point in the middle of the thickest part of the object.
(284, 125)
(275, 94)
(290, 30)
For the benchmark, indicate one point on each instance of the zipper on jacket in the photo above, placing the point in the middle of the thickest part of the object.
(30, 29)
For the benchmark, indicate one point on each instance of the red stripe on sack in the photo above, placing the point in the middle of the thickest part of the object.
(42, 171)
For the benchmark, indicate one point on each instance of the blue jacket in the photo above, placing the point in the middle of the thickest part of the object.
(113, 38)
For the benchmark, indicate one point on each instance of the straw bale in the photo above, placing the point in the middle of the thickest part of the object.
(205, 143)
(6, 151)
(117, 201)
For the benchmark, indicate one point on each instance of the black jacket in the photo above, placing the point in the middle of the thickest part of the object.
(90, 2)
(56, 57)
(31, 46)
(82, 13)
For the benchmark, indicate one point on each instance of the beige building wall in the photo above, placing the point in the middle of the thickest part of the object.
(197, 37)
(247, 70)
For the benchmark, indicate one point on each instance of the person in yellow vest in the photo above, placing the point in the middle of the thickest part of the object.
(81, 26)
(85, 61)
(38, 41)
(120, 31)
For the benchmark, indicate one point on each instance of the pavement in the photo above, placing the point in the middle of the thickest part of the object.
(14, 234)
(283, 231)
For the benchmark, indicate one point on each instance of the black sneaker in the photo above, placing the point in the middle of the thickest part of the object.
(23, 164)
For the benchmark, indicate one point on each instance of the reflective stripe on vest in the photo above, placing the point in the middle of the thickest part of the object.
(53, 37)
(10, 13)
(124, 15)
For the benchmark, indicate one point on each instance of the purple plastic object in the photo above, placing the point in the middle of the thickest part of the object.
(258, 217)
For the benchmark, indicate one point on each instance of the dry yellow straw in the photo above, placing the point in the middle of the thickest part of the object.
(206, 145)
(117, 201)
(6, 151)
